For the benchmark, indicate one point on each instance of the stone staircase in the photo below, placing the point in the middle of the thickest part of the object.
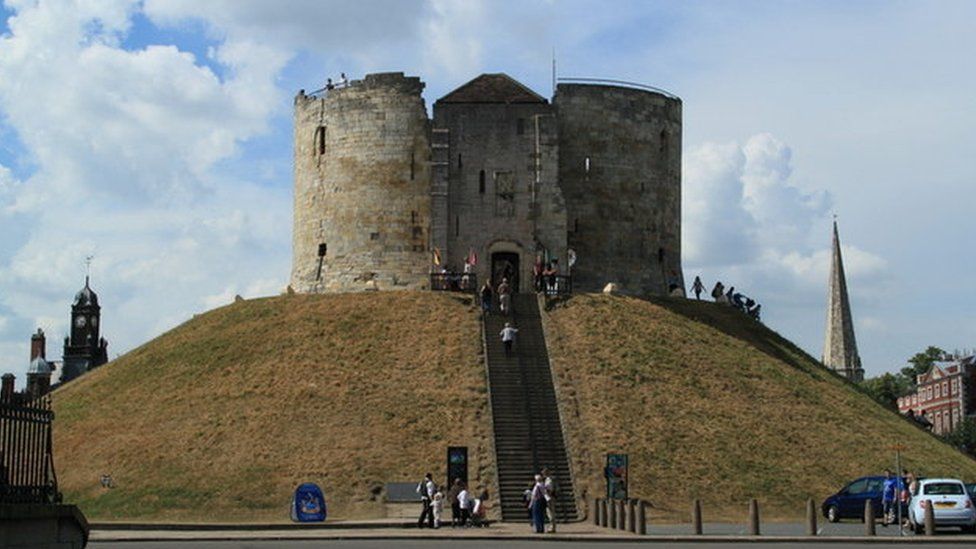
(528, 433)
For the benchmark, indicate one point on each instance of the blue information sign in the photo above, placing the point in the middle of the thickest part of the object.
(309, 504)
(616, 473)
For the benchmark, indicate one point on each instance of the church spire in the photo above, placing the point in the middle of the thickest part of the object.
(840, 348)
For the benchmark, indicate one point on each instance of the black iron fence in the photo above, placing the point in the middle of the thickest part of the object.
(454, 282)
(26, 463)
(555, 285)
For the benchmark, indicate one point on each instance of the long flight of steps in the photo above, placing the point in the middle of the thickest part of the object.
(528, 435)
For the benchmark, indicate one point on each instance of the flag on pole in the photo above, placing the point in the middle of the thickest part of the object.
(472, 257)
(437, 257)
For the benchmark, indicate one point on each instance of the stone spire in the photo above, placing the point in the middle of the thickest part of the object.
(840, 348)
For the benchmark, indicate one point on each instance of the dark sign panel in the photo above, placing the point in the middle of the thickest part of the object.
(616, 473)
(457, 464)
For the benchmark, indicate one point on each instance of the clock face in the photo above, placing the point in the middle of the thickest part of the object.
(80, 322)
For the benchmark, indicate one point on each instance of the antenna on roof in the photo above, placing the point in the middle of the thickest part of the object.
(88, 261)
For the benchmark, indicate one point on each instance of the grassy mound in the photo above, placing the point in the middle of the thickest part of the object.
(709, 404)
(220, 418)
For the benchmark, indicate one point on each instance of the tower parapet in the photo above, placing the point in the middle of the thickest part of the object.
(362, 182)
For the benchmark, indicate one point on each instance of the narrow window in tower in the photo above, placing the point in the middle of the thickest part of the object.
(576, 226)
(412, 163)
(320, 140)
(520, 126)
(457, 225)
(586, 164)
(663, 142)
(460, 165)
(374, 236)
(481, 182)
(413, 217)
(660, 255)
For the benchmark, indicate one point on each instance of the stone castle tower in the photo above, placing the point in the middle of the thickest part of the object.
(840, 347)
(499, 173)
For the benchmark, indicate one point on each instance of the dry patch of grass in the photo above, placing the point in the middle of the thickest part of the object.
(220, 418)
(711, 405)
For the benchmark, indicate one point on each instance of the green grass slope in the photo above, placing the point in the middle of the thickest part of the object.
(220, 418)
(709, 404)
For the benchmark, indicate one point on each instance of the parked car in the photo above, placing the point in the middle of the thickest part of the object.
(971, 488)
(849, 501)
(951, 504)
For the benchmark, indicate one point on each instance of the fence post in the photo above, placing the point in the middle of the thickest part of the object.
(929, 518)
(869, 528)
(753, 517)
(612, 505)
(603, 512)
(622, 515)
(632, 516)
(811, 518)
(642, 518)
(696, 518)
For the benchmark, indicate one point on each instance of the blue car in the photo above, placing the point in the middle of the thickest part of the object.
(849, 501)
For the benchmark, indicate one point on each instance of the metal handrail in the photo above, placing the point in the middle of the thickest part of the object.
(453, 282)
(573, 79)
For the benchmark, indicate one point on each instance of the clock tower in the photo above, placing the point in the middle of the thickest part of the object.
(84, 350)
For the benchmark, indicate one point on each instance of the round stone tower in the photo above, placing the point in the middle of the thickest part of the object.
(620, 173)
(362, 187)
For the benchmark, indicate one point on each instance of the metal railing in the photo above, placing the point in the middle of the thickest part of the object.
(624, 83)
(555, 285)
(454, 282)
(26, 462)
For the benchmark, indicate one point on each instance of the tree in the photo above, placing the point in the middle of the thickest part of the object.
(886, 388)
(922, 362)
(964, 436)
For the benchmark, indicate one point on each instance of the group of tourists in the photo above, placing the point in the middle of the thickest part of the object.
(341, 83)
(729, 297)
(540, 502)
(896, 492)
(546, 276)
(504, 292)
(466, 509)
(921, 419)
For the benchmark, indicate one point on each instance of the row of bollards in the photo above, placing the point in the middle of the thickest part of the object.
(631, 514)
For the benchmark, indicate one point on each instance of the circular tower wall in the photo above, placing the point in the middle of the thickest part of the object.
(620, 174)
(362, 187)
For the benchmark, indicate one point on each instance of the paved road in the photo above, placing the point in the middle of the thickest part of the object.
(480, 544)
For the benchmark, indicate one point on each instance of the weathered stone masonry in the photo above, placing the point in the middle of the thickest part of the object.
(498, 170)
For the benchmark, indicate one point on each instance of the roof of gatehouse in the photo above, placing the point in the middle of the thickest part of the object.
(493, 88)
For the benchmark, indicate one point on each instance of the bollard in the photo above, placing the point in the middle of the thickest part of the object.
(612, 504)
(811, 518)
(596, 511)
(622, 515)
(632, 516)
(696, 518)
(603, 512)
(642, 518)
(753, 517)
(929, 518)
(869, 528)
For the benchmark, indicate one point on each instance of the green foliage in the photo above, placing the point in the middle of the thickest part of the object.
(921, 362)
(964, 436)
(885, 389)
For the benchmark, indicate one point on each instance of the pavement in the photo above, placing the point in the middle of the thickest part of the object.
(118, 535)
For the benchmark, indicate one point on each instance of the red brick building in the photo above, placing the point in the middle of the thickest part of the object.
(945, 396)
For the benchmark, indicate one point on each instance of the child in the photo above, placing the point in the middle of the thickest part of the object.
(438, 505)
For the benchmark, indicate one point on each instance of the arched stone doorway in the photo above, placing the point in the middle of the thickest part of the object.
(508, 259)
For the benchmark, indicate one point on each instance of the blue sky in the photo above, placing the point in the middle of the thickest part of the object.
(156, 135)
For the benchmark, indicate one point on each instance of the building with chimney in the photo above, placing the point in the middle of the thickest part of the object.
(40, 370)
(840, 347)
(945, 395)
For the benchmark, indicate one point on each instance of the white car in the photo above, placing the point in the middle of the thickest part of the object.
(950, 502)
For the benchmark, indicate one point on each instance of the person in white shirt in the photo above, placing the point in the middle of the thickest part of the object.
(343, 81)
(508, 337)
(464, 502)
(537, 503)
(426, 489)
(437, 504)
(550, 485)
